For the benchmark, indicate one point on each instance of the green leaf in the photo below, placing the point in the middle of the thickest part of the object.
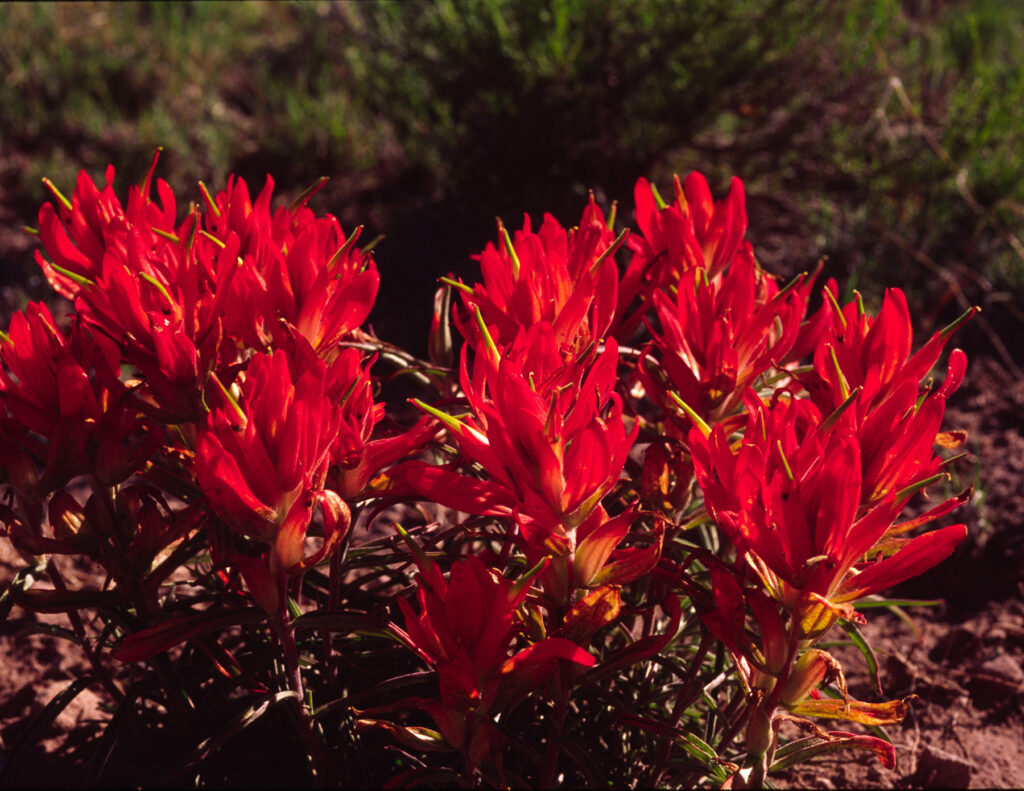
(345, 622)
(50, 630)
(868, 603)
(803, 750)
(178, 629)
(866, 650)
(125, 713)
(22, 581)
(376, 692)
(234, 726)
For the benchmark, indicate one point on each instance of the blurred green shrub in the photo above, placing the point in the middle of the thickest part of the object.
(886, 135)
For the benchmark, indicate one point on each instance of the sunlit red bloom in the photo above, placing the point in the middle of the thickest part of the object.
(863, 367)
(356, 458)
(61, 405)
(718, 335)
(565, 278)
(298, 270)
(134, 277)
(693, 231)
(789, 498)
(552, 438)
(262, 464)
(179, 300)
(466, 628)
(78, 232)
(873, 354)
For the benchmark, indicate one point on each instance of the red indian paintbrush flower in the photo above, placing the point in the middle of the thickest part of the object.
(871, 353)
(262, 461)
(61, 404)
(863, 369)
(465, 629)
(300, 271)
(550, 434)
(719, 335)
(789, 499)
(135, 278)
(355, 457)
(694, 231)
(77, 233)
(565, 278)
(180, 300)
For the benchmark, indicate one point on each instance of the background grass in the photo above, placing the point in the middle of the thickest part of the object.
(886, 136)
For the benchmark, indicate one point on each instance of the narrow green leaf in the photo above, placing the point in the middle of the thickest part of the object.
(612, 249)
(345, 247)
(456, 284)
(233, 727)
(57, 193)
(865, 648)
(50, 630)
(84, 282)
(865, 604)
(209, 200)
(705, 429)
(838, 413)
(343, 622)
(306, 194)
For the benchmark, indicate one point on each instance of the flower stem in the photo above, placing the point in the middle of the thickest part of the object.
(554, 746)
(314, 746)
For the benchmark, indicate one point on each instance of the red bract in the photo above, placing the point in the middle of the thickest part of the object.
(873, 354)
(863, 368)
(565, 278)
(718, 335)
(179, 301)
(135, 278)
(692, 232)
(66, 407)
(355, 457)
(465, 629)
(552, 439)
(77, 233)
(262, 462)
(789, 499)
(299, 270)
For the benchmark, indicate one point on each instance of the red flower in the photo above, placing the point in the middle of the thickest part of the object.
(692, 232)
(465, 629)
(863, 368)
(262, 462)
(179, 301)
(300, 270)
(552, 437)
(789, 499)
(78, 233)
(66, 406)
(565, 278)
(356, 458)
(135, 278)
(719, 335)
(873, 354)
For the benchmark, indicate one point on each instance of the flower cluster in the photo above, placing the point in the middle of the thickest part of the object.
(620, 468)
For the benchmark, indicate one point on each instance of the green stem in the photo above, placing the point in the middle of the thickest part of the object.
(282, 624)
(79, 629)
(689, 693)
(554, 746)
